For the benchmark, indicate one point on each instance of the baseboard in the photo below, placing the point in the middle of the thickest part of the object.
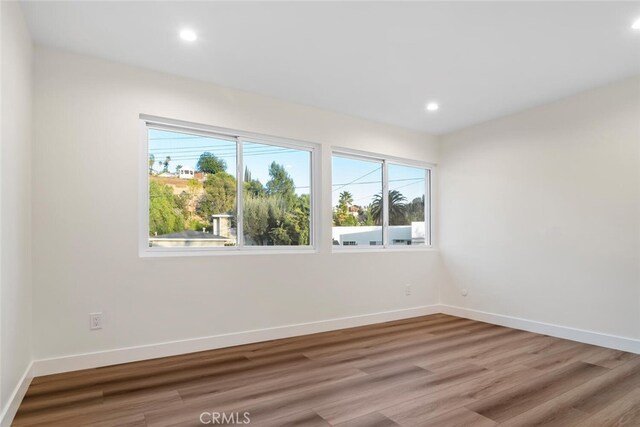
(131, 354)
(10, 409)
(574, 334)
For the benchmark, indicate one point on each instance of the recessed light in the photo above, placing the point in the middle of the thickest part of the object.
(432, 106)
(188, 35)
(636, 24)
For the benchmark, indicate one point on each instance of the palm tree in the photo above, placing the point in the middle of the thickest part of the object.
(165, 164)
(397, 208)
(346, 198)
(341, 215)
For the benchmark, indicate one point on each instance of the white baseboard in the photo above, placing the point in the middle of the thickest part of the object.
(10, 409)
(574, 334)
(131, 354)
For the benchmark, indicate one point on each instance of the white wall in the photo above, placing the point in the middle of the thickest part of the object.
(540, 213)
(540, 217)
(86, 218)
(15, 201)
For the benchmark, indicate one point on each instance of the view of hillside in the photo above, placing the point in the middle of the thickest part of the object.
(273, 213)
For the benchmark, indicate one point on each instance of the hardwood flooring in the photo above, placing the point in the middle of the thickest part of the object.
(436, 370)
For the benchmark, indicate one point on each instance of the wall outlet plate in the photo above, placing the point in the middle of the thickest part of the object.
(95, 321)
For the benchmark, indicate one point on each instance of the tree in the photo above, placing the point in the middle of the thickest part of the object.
(152, 161)
(252, 186)
(182, 202)
(365, 217)
(346, 198)
(415, 210)
(341, 215)
(261, 215)
(209, 163)
(193, 185)
(165, 215)
(165, 164)
(281, 184)
(219, 195)
(304, 203)
(275, 215)
(293, 227)
(178, 169)
(397, 208)
(268, 220)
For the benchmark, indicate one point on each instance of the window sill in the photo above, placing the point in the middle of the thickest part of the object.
(360, 250)
(146, 253)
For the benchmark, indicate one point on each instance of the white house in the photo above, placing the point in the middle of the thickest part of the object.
(372, 235)
(186, 172)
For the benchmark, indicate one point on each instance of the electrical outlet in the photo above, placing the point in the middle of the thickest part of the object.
(95, 321)
(407, 290)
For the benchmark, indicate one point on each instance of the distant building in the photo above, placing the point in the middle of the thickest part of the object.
(413, 234)
(221, 235)
(186, 173)
(221, 224)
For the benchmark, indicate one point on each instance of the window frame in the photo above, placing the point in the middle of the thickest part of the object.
(428, 200)
(240, 137)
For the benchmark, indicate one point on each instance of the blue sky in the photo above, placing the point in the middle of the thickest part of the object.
(186, 149)
(363, 179)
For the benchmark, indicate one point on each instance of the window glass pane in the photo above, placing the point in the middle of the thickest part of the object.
(407, 187)
(356, 197)
(276, 207)
(191, 210)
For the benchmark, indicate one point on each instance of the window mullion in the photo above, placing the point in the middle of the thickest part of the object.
(313, 196)
(427, 207)
(239, 194)
(385, 204)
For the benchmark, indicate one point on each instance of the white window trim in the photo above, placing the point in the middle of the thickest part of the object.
(428, 214)
(144, 251)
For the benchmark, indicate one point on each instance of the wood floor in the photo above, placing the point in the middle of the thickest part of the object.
(435, 370)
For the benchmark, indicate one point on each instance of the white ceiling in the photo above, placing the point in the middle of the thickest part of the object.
(380, 61)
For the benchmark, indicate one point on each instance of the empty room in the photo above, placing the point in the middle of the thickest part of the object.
(304, 213)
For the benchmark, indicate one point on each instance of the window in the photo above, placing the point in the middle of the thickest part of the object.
(407, 189)
(363, 215)
(185, 211)
(356, 201)
(209, 189)
(276, 203)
